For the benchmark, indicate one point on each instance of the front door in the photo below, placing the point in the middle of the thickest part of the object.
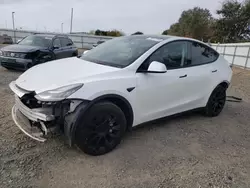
(163, 94)
(58, 51)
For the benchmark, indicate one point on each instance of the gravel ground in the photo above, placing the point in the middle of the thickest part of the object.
(184, 151)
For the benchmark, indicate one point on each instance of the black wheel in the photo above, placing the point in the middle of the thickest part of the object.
(216, 102)
(100, 129)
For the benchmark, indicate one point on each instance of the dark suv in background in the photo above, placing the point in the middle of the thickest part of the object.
(36, 49)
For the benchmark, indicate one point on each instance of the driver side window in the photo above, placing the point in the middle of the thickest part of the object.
(174, 55)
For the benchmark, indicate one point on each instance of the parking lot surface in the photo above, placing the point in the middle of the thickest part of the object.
(184, 151)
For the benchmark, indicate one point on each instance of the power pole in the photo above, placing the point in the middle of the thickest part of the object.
(14, 30)
(71, 22)
(62, 27)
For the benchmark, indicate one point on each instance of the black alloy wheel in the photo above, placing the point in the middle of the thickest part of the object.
(216, 102)
(100, 129)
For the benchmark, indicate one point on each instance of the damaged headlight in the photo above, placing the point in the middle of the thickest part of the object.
(59, 93)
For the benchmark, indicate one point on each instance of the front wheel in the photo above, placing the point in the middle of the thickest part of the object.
(216, 102)
(100, 129)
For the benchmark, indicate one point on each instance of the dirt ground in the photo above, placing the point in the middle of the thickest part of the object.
(186, 151)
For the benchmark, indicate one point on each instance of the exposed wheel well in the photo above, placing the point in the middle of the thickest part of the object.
(124, 105)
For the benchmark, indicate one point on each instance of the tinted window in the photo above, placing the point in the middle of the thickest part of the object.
(120, 52)
(57, 42)
(34, 40)
(174, 55)
(202, 54)
(66, 42)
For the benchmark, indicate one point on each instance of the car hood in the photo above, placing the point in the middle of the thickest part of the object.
(21, 48)
(60, 73)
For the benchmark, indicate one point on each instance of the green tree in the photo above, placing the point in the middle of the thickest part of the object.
(196, 23)
(113, 33)
(165, 32)
(234, 22)
(175, 29)
(138, 33)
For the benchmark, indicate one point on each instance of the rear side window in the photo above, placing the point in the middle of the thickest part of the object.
(202, 54)
(66, 42)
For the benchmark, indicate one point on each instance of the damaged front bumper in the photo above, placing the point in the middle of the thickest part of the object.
(32, 121)
(38, 119)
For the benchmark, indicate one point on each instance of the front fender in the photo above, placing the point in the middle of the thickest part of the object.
(70, 121)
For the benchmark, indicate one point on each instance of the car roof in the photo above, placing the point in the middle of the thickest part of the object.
(160, 37)
(50, 35)
(163, 37)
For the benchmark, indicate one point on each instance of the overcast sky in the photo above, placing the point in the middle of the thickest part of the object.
(148, 16)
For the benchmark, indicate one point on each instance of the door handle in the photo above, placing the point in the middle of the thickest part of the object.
(214, 71)
(184, 76)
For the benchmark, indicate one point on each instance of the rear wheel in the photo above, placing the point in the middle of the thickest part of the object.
(216, 102)
(100, 129)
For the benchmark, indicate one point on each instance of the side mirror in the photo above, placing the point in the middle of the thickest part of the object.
(157, 67)
(18, 41)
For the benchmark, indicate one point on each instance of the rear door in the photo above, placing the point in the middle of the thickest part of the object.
(67, 47)
(202, 73)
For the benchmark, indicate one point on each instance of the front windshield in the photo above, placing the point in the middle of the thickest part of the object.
(36, 41)
(120, 52)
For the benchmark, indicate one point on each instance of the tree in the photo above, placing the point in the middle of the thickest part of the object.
(196, 23)
(113, 33)
(234, 22)
(138, 33)
(175, 30)
(165, 32)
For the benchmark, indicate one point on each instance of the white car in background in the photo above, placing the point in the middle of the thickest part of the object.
(120, 84)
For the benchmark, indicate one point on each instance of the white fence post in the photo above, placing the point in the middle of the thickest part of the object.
(234, 54)
(248, 54)
(224, 50)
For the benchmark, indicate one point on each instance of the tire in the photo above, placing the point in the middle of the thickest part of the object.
(216, 102)
(100, 129)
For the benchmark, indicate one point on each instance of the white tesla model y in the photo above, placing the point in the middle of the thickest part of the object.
(119, 84)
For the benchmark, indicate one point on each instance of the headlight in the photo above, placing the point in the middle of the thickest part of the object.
(20, 55)
(59, 93)
(1, 53)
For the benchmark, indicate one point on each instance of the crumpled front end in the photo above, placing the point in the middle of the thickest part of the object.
(34, 122)
(39, 119)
